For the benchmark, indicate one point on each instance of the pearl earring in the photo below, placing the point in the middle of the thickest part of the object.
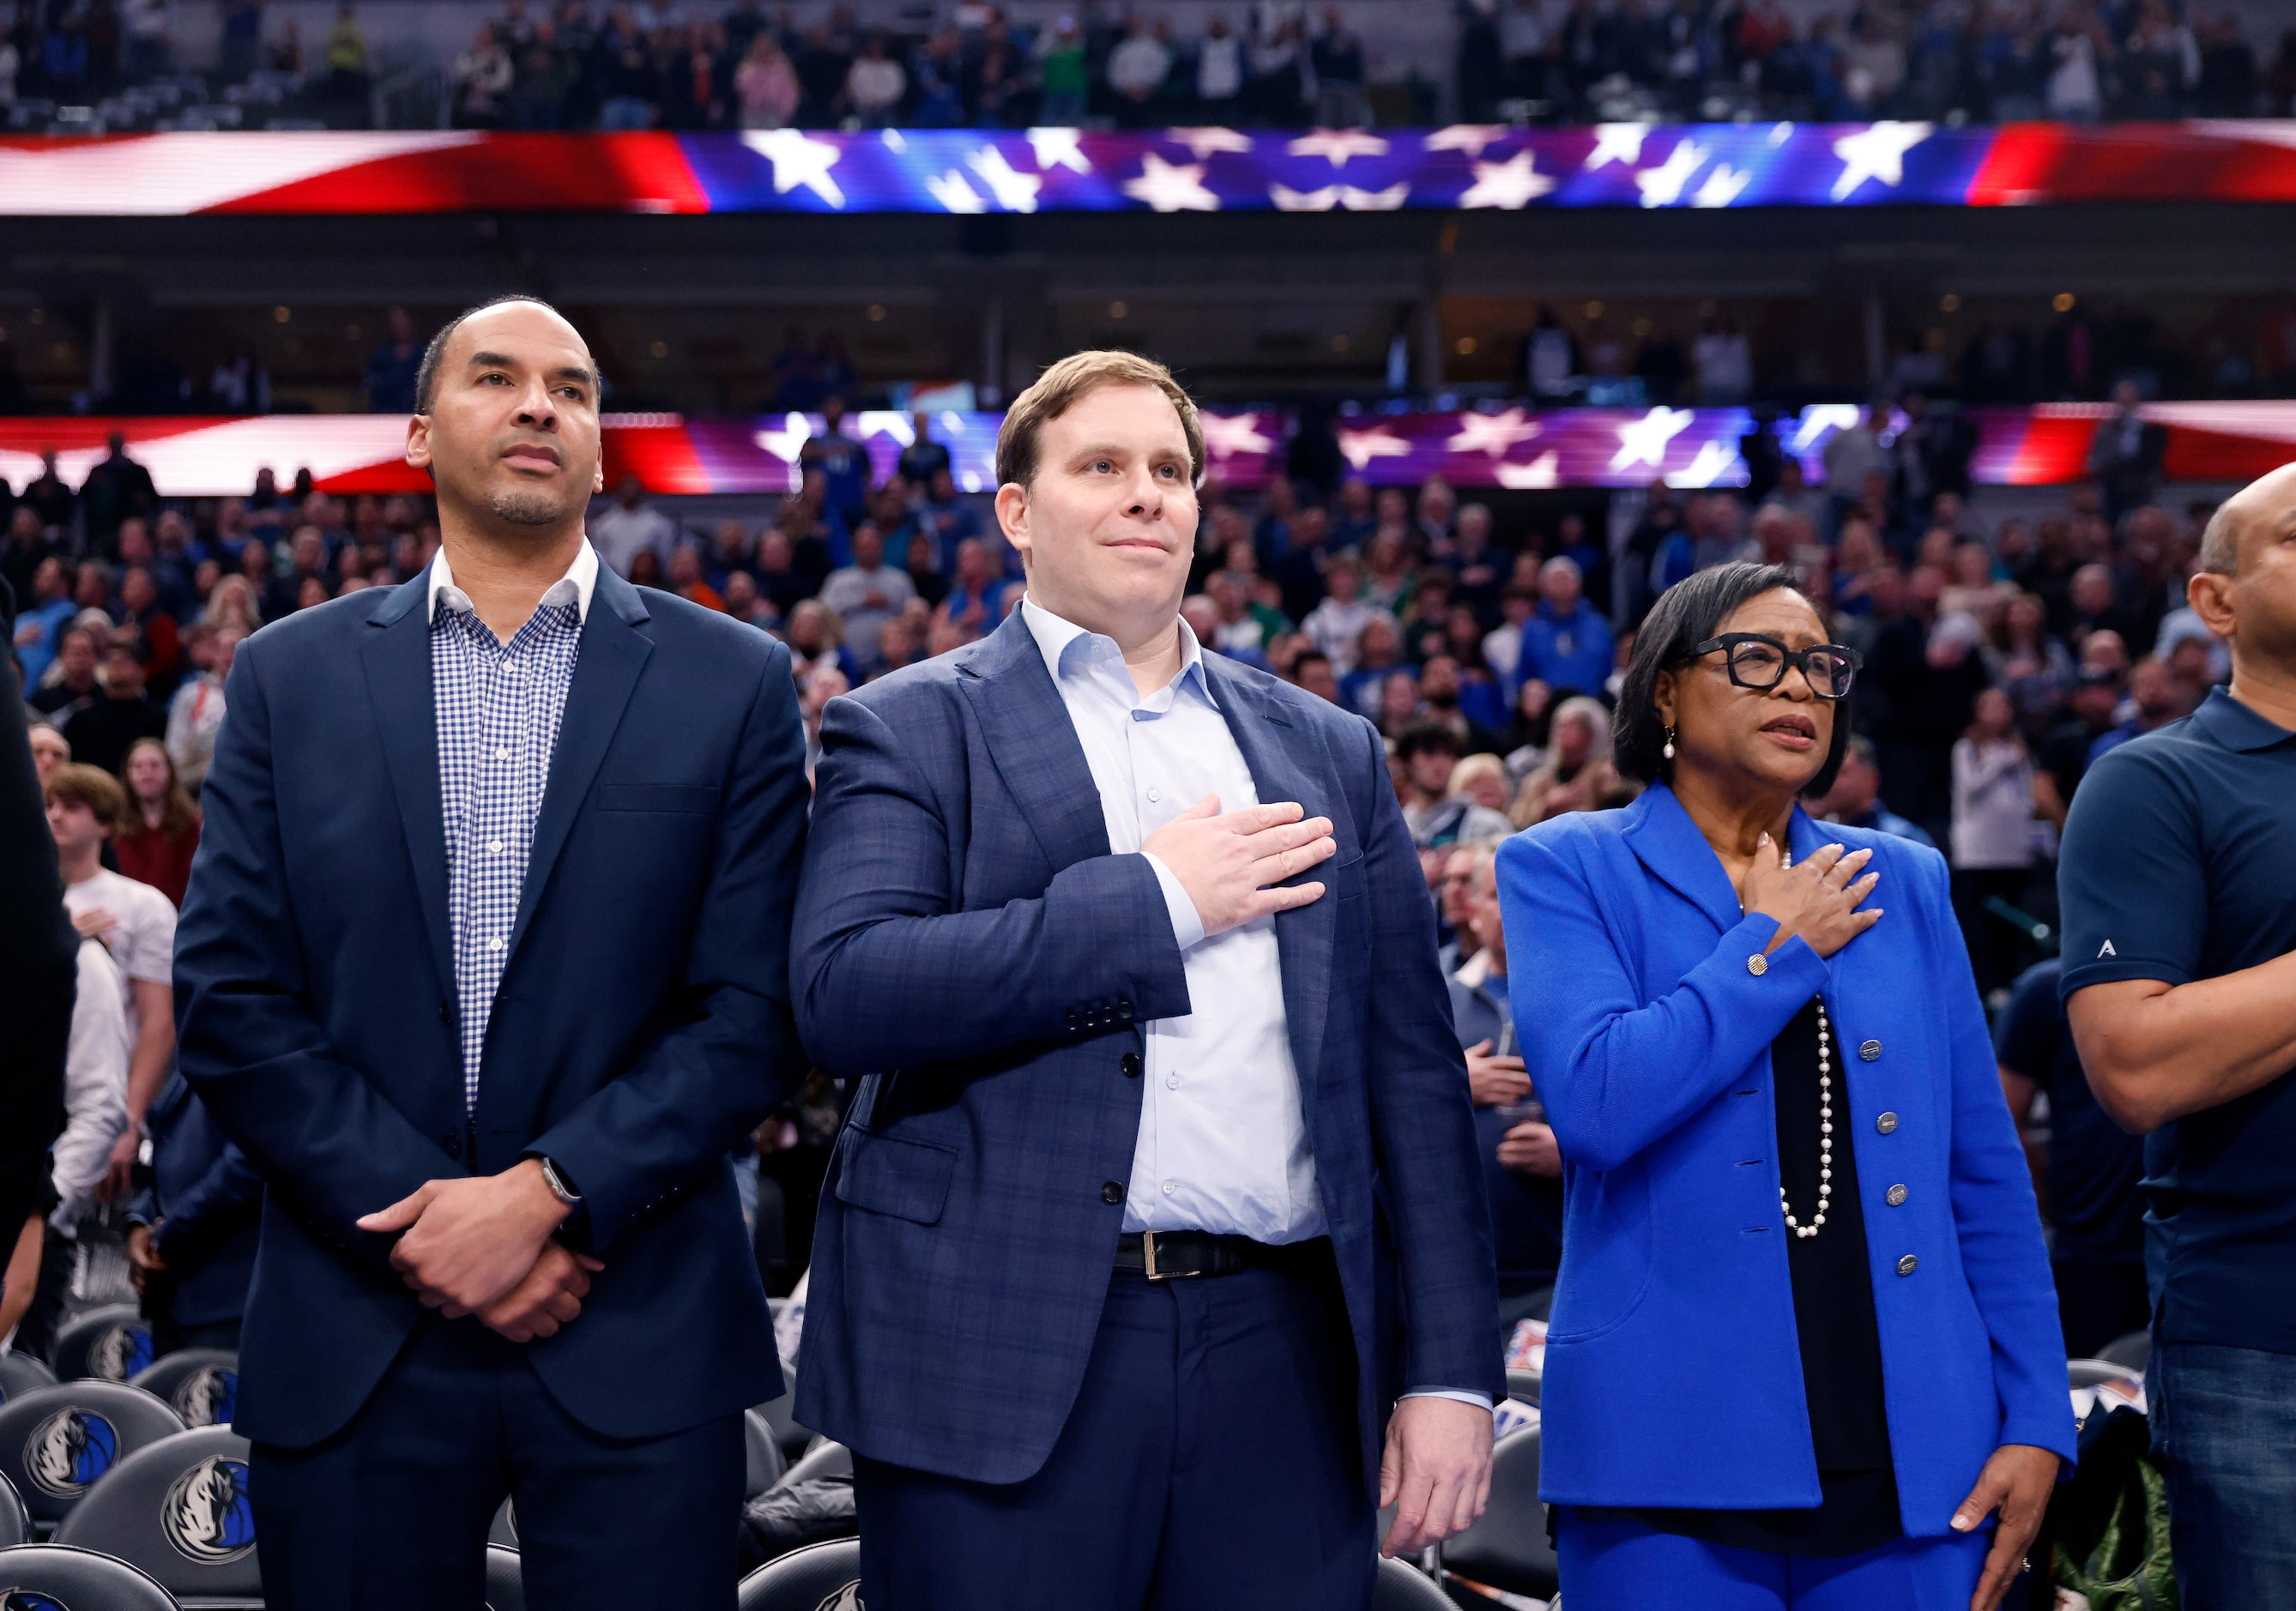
(1668, 751)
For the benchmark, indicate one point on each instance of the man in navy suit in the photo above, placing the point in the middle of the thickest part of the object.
(484, 967)
(1158, 1201)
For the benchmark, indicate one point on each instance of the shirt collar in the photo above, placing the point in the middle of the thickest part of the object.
(1070, 650)
(2235, 726)
(574, 588)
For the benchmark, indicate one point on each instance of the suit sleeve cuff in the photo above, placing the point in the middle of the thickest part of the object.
(1187, 927)
(1480, 1401)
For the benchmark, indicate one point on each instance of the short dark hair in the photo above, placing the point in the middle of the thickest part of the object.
(1689, 612)
(1428, 736)
(426, 373)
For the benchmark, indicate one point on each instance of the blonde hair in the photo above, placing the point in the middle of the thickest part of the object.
(1472, 767)
(1068, 383)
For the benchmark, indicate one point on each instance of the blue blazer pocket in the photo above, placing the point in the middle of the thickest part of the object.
(694, 798)
(885, 1175)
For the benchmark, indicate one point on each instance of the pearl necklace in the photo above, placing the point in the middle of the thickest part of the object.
(1824, 1118)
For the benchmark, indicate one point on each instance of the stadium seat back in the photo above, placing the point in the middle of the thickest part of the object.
(825, 1458)
(503, 1530)
(21, 1373)
(56, 1577)
(179, 1510)
(793, 1437)
(56, 1444)
(1524, 1386)
(202, 1384)
(2134, 1350)
(1508, 1548)
(1403, 1587)
(112, 1345)
(15, 1521)
(766, 1460)
(505, 1579)
(819, 1577)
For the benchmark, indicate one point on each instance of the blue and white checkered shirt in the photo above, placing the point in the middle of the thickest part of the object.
(498, 710)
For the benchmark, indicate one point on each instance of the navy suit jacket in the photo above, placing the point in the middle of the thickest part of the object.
(1649, 1039)
(642, 1026)
(965, 940)
(208, 1201)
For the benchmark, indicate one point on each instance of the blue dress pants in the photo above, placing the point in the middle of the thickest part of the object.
(1211, 1463)
(391, 1513)
(1623, 1566)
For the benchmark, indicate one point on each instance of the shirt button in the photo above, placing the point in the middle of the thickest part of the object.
(1171, 1081)
(1110, 1193)
(1897, 1196)
(1907, 1265)
(1870, 1051)
(1887, 1122)
(502, 752)
(1168, 1188)
(1757, 964)
(1155, 795)
(495, 944)
(495, 847)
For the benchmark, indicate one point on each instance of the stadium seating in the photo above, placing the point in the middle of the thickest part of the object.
(819, 1577)
(767, 1457)
(42, 1574)
(1524, 1386)
(15, 1521)
(113, 1344)
(2133, 1352)
(1508, 1549)
(178, 1510)
(21, 1373)
(505, 1528)
(1401, 1587)
(56, 1442)
(505, 1584)
(201, 1383)
(793, 1438)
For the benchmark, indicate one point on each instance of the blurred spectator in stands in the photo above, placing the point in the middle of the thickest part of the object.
(630, 526)
(1472, 710)
(73, 685)
(95, 1114)
(155, 629)
(50, 750)
(865, 595)
(547, 74)
(1531, 718)
(626, 82)
(1856, 797)
(47, 496)
(1395, 694)
(1219, 73)
(2077, 49)
(1312, 670)
(2125, 455)
(841, 460)
(12, 63)
(1337, 57)
(1437, 820)
(1503, 645)
(1482, 778)
(1567, 642)
(1337, 624)
(2095, 606)
(484, 75)
(2031, 666)
(47, 607)
(1852, 453)
(346, 56)
(1993, 851)
(687, 581)
(27, 547)
(1724, 364)
(875, 85)
(2097, 1219)
(159, 829)
(923, 458)
(2156, 699)
(102, 732)
(1062, 73)
(1376, 651)
(765, 84)
(730, 552)
(196, 712)
(116, 489)
(2228, 84)
(815, 688)
(143, 38)
(2064, 753)
(1136, 71)
(1578, 747)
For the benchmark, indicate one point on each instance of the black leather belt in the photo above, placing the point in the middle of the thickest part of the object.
(1164, 1256)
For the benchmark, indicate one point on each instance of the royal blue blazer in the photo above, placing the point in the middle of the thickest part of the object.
(642, 1026)
(1673, 1365)
(966, 944)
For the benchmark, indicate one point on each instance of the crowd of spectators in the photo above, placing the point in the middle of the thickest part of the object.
(696, 64)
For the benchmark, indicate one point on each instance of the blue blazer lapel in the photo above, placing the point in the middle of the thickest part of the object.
(1288, 763)
(1668, 842)
(1034, 744)
(606, 670)
(397, 653)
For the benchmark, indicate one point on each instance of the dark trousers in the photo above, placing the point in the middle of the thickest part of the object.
(1210, 1462)
(2223, 1422)
(392, 1512)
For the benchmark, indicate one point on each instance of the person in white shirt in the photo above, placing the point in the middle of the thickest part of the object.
(96, 1087)
(628, 525)
(196, 712)
(137, 927)
(1334, 625)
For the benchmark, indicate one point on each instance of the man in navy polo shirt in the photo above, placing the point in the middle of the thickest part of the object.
(2179, 885)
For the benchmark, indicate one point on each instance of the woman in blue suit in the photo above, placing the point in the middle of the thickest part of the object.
(1804, 1342)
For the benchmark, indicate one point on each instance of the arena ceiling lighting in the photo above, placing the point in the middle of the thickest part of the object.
(1687, 447)
(1172, 170)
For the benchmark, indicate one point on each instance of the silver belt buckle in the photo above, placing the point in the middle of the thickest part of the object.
(1148, 1261)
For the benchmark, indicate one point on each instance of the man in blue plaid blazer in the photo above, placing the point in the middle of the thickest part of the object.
(1158, 1202)
(483, 965)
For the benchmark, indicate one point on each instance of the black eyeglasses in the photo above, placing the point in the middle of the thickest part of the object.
(1759, 662)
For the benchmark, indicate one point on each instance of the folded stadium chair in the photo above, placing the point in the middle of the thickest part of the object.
(2134, 1350)
(21, 1373)
(51, 1575)
(201, 1383)
(819, 1577)
(1403, 1587)
(57, 1443)
(178, 1510)
(503, 1530)
(1508, 1548)
(505, 1582)
(768, 1459)
(111, 1344)
(793, 1438)
(1523, 1385)
(15, 1521)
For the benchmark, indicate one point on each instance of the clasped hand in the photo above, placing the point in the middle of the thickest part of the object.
(481, 1246)
(1227, 862)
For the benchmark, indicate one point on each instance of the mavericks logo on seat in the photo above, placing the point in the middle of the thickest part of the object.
(847, 1599)
(207, 1516)
(29, 1599)
(69, 1450)
(119, 1353)
(208, 1396)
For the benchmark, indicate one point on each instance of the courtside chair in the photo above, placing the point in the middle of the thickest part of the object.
(57, 1443)
(819, 1577)
(1508, 1549)
(178, 1510)
(111, 1344)
(15, 1521)
(202, 1384)
(21, 1373)
(78, 1580)
(505, 1582)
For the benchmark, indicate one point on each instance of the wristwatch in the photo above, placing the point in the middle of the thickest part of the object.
(566, 1197)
